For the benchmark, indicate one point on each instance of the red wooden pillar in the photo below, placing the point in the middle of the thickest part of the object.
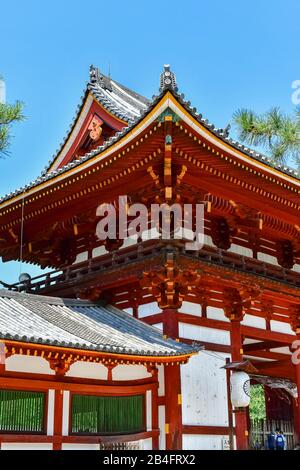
(170, 323)
(241, 421)
(173, 412)
(155, 424)
(58, 417)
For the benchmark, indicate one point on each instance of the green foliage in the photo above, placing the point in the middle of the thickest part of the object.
(257, 406)
(9, 113)
(274, 130)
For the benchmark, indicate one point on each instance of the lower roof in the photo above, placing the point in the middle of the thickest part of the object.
(81, 324)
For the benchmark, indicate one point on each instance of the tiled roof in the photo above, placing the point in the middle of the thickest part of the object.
(132, 108)
(81, 324)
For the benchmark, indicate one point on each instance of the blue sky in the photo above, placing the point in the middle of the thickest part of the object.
(226, 55)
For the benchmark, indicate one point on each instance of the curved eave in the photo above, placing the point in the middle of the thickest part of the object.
(227, 145)
(134, 357)
(123, 138)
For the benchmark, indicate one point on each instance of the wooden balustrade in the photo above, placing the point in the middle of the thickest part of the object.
(150, 249)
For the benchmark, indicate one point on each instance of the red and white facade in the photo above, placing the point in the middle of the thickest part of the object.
(238, 296)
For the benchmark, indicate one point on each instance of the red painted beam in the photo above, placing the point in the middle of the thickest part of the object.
(76, 439)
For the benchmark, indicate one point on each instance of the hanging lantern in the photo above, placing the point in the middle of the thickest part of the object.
(240, 389)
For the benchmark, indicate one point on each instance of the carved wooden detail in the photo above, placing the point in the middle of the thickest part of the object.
(152, 369)
(267, 307)
(248, 216)
(295, 318)
(60, 366)
(235, 301)
(110, 368)
(285, 254)
(220, 232)
(233, 304)
(91, 293)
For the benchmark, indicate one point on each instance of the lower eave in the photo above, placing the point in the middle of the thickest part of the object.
(70, 355)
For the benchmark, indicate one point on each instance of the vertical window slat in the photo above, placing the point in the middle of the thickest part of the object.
(107, 415)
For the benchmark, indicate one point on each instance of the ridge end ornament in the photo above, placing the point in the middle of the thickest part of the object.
(168, 79)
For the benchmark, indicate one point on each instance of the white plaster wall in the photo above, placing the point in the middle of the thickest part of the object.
(191, 308)
(208, 241)
(89, 370)
(130, 372)
(32, 364)
(99, 251)
(204, 390)
(161, 424)
(128, 310)
(129, 241)
(250, 341)
(202, 333)
(281, 327)
(148, 309)
(146, 444)
(161, 381)
(152, 234)
(296, 268)
(149, 410)
(284, 350)
(267, 258)
(25, 446)
(215, 313)
(159, 326)
(50, 414)
(255, 358)
(81, 257)
(202, 442)
(66, 412)
(254, 321)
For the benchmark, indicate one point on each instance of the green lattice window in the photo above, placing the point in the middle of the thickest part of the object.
(22, 411)
(108, 415)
